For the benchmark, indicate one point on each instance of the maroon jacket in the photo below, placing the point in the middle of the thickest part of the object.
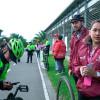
(75, 44)
(83, 60)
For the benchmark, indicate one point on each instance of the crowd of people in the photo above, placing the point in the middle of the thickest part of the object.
(13, 51)
(84, 62)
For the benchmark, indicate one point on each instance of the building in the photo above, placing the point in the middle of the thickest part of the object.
(89, 9)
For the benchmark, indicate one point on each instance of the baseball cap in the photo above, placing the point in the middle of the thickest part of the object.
(77, 18)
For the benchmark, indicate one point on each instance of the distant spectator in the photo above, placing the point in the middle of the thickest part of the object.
(38, 48)
(47, 47)
(59, 52)
(30, 49)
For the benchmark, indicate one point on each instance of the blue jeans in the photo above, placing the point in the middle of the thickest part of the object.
(56, 66)
(60, 65)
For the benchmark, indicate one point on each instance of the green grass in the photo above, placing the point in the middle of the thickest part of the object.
(55, 78)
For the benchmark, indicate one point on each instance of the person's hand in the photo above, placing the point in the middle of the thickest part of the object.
(82, 70)
(69, 72)
(87, 71)
(7, 86)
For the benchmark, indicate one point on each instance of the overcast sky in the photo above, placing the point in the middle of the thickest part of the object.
(28, 17)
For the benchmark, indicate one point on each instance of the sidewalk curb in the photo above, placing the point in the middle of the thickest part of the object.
(50, 89)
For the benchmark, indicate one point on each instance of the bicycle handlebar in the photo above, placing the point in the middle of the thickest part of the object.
(15, 83)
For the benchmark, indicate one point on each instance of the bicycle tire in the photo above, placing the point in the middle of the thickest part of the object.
(46, 64)
(10, 97)
(63, 79)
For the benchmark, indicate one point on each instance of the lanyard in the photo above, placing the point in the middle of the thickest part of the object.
(91, 52)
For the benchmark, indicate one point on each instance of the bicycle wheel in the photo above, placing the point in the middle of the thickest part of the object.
(10, 97)
(64, 90)
(46, 64)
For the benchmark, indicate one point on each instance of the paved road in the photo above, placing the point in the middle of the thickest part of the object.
(29, 74)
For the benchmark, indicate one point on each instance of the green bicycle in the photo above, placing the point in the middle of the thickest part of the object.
(45, 60)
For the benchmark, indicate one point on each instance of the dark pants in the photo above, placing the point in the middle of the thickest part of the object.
(38, 53)
(82, 97)
(29, 58)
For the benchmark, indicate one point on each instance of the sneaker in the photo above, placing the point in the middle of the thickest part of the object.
(14, 64)
(43, 67)
(58, 73)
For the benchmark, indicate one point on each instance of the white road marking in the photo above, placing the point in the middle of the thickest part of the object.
(43, 82)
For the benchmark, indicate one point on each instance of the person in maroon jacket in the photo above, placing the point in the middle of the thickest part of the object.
(77, 39)
(59, 52)
(87, 65)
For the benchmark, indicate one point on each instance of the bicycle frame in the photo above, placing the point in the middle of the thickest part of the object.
(45, 60)
(21, 88)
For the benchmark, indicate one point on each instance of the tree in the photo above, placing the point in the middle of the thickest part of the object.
(1, 31)
(40, 37)
(14, 35)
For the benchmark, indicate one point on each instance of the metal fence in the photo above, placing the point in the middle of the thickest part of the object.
(91, 13)
(90, 9)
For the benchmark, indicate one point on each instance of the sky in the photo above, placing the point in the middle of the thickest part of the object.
(29, 17)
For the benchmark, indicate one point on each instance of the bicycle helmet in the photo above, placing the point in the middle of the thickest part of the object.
(77, 18)
(16, 47)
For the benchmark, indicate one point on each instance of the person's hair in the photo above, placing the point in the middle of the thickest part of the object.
(3, 44)
(60, 37)
(88, 39)
(95, 21)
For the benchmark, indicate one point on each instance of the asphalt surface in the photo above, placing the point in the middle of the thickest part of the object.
(30, 74)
